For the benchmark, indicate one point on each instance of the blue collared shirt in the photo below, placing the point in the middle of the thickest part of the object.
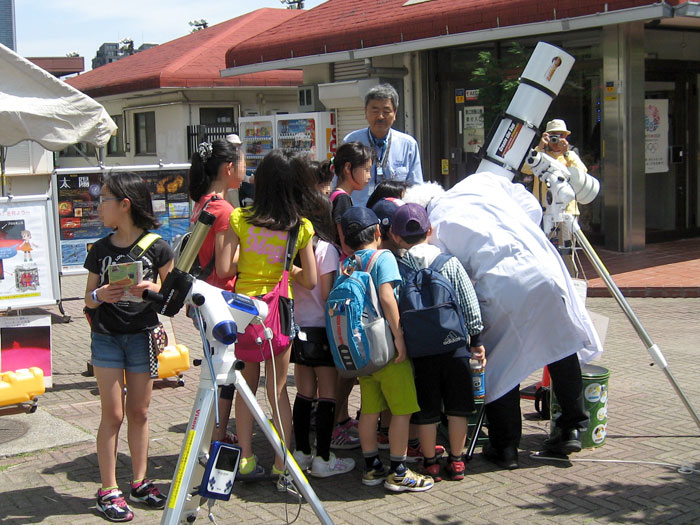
(403, 162)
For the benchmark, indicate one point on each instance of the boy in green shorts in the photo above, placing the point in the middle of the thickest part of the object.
(393, 386)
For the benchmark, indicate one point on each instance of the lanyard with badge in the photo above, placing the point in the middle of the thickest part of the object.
(382, 162)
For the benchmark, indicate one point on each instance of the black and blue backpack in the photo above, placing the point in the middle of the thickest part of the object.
(431, 318)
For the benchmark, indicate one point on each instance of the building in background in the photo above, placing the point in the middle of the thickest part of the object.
(112, 51)
(631, 99)
(166, 99)
(8, 30)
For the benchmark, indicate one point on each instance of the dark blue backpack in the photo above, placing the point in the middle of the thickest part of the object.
(431, 317)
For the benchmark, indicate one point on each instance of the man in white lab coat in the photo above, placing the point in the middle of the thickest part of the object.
(532, 315)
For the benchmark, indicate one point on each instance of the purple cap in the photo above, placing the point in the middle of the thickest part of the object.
(385, 209)
(410, 219)
(356, 219)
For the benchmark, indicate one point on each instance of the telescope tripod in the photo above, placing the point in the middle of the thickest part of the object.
(183, 501)
(649, 344)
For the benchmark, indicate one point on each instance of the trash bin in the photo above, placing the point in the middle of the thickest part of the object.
(595, 399)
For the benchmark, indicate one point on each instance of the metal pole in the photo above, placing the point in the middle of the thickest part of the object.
(302, 483)
(3, 158)
(651, 347)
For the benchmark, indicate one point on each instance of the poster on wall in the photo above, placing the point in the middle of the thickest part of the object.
(656, 135)
(28, 270)
(473, 128)
(25, 341)
(77, 194)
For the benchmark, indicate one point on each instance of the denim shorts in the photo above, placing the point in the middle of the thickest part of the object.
(126, 351)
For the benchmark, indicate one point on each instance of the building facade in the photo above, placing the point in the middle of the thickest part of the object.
(8, 30)
(630, 99)
(167, 98)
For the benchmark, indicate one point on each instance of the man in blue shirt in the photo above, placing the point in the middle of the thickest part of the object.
(398, 157)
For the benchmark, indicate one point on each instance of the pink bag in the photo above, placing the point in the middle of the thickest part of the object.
(251, 345)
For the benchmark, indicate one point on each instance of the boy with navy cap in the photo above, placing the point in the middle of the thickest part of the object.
(391, 387)
(442, 380)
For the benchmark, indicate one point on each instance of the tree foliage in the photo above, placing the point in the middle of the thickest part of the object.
(498, 78)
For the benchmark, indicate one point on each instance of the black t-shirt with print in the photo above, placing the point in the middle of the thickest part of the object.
(125, 317)
(341, 204)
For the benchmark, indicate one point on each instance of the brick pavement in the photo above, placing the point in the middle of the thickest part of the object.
(626, 480)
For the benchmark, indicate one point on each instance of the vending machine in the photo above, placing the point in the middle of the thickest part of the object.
(258, 137)
(310, 133)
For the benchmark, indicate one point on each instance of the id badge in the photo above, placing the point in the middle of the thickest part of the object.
(380, 170)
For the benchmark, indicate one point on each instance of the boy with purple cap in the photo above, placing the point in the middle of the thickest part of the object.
(442, 380)
(391, 387)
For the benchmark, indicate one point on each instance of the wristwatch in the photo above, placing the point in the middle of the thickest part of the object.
(94, 296)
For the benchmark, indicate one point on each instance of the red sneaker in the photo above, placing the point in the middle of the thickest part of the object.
(415, 454)
(455, 469)
(434, 472)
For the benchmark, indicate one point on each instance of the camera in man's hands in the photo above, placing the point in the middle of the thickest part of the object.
(553, 139)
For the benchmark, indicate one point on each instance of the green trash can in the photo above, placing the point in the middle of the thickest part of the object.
(595, 399)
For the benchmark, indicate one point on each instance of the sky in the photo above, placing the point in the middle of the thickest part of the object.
(58, 27)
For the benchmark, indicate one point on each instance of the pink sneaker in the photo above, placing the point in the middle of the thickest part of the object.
(342, 440)
(350, 426)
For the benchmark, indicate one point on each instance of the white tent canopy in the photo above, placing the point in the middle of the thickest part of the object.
(34, 105)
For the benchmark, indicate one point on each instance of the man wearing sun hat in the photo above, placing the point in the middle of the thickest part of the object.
(554, 142)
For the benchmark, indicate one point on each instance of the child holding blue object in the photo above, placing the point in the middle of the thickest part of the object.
(442, 380)
(391, 387)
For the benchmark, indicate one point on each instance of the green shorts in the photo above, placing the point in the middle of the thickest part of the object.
(391, 387)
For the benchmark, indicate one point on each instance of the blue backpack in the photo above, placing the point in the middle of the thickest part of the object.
(360, 338)
(431, 317)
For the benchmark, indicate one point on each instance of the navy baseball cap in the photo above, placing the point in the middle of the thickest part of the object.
(356, 219)
(385, 209)
(410, 219)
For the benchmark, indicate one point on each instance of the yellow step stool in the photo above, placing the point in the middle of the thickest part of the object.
(21, 386)
(173, 361)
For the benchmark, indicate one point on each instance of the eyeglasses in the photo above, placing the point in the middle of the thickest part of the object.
(104, 199)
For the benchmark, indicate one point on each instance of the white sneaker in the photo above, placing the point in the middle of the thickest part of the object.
(303, 460)
(321, 468)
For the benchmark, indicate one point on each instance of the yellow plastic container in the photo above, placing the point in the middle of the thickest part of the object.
(21, 386)
(173, 361)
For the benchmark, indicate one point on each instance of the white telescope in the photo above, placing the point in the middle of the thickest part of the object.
(506, 148)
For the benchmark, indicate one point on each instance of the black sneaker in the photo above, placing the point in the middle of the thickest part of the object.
(148, 494)
(113, 505)
(563, 441)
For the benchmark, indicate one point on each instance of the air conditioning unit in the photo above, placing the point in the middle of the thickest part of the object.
(308, 99)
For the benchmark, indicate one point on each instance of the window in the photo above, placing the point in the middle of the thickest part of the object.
(145, 133)
(82, 149)
(115, 146)
(216, 116)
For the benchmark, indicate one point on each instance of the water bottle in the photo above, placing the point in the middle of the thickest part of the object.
(478, 378)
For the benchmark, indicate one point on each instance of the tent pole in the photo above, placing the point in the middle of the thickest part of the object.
(3, 157)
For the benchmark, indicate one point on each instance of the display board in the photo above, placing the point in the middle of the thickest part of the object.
(28, 261)
(25, 341)
(77, 194)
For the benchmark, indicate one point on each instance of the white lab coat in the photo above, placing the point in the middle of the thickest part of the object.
(532, 315)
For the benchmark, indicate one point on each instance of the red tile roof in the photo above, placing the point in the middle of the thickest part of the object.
(343, 25)
(194, 60)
